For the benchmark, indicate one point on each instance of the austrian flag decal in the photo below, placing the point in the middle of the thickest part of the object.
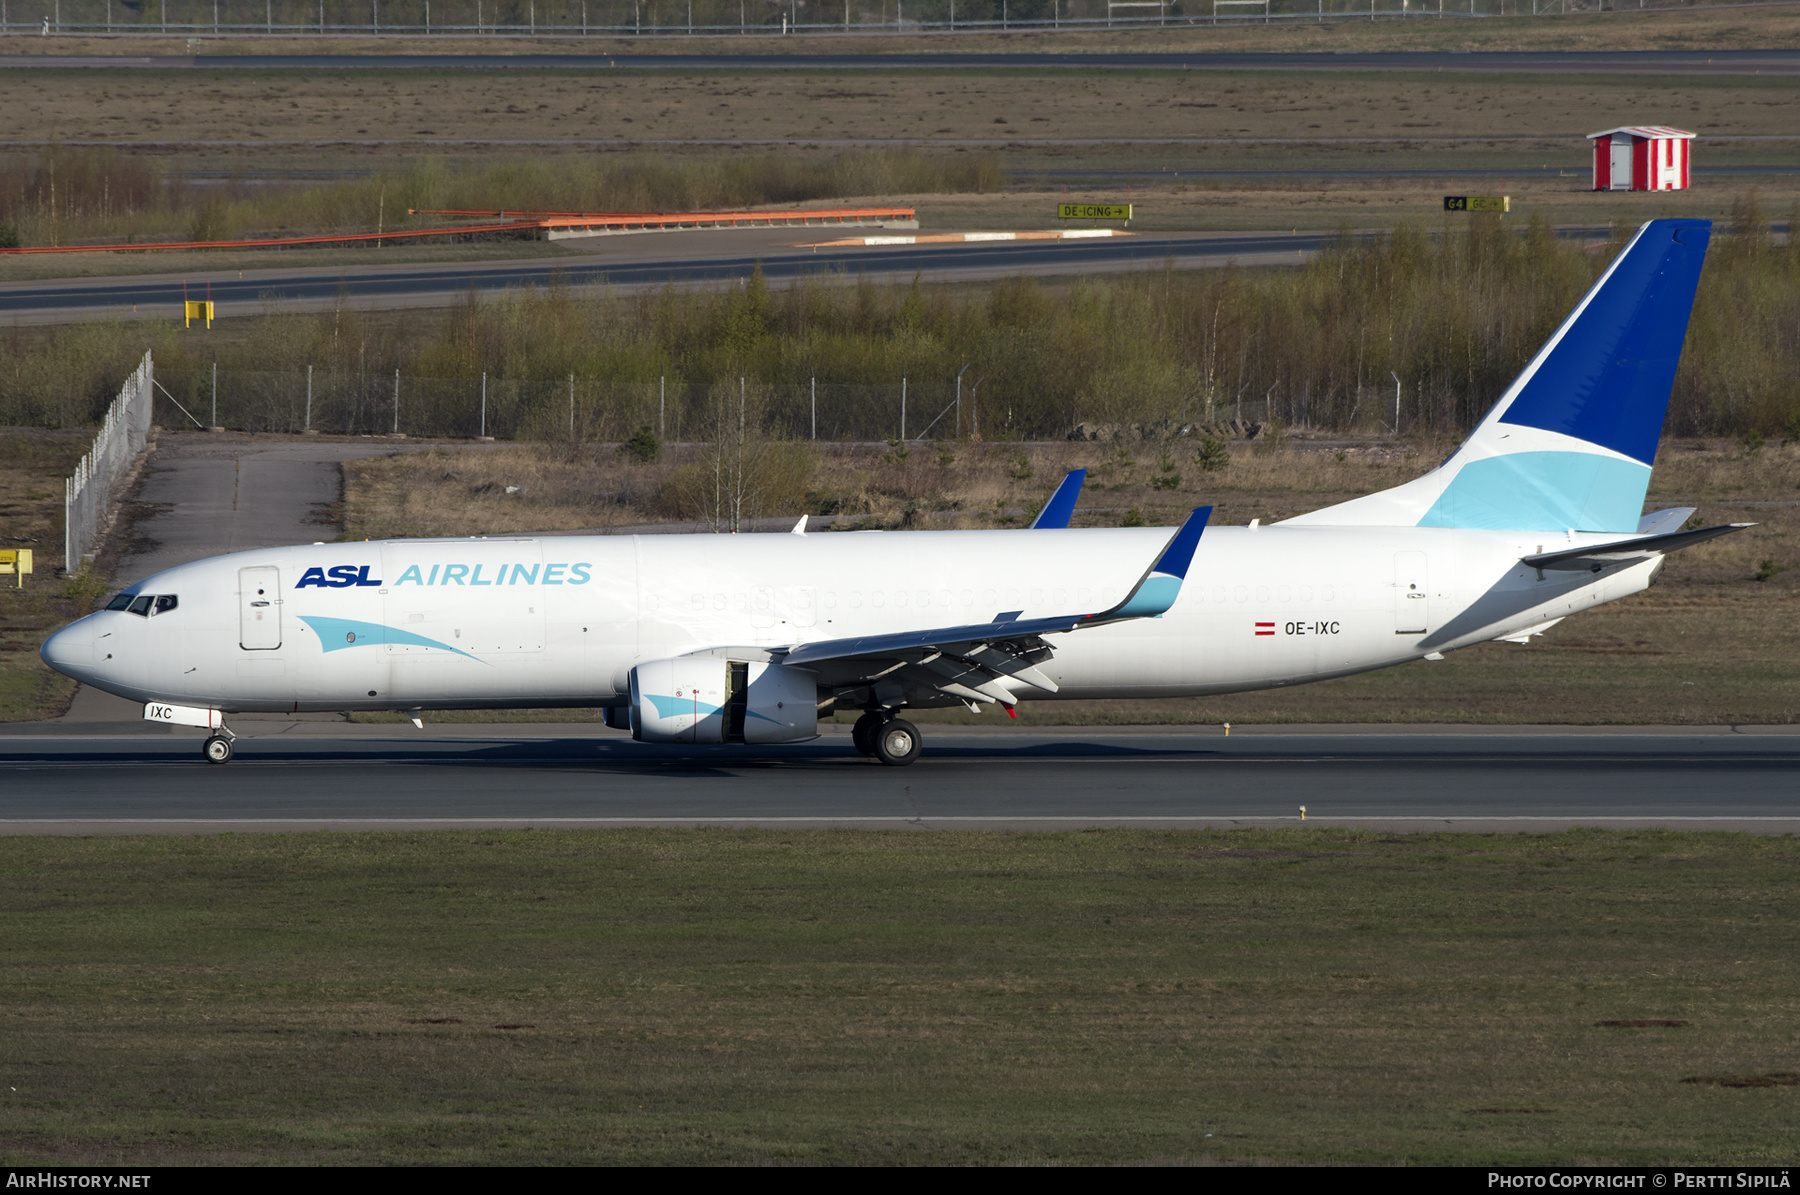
(1265, 628)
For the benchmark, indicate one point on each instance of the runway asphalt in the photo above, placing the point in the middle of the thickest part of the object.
(312, 775)
(636, 262)
(1649, 62)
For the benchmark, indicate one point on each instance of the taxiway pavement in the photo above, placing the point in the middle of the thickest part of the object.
(633, 263)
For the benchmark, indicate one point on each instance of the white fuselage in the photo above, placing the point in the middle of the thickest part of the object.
(561, 621)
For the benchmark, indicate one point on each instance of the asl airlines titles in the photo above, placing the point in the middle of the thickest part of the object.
(344, 576)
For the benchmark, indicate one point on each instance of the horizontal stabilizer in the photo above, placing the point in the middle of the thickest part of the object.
(1061, 508)
(1595, 557)
(1657, 522)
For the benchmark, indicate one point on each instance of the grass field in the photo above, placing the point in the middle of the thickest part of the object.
(33, 464)
(1300, 995)
(419, 107)
(413, 139)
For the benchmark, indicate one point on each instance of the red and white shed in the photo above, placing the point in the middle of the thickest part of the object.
(1641, 158)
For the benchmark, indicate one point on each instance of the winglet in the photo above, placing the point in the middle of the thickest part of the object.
(1160, 586)
(1061, 507)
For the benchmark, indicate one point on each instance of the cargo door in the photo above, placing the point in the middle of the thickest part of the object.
(259, 608)
(1412, 600)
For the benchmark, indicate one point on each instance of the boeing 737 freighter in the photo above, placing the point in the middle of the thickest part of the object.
(704, 639)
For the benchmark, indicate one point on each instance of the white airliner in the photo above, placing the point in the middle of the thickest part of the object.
(706, 639)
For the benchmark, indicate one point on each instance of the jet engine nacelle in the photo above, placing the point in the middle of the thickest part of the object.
(707, 699)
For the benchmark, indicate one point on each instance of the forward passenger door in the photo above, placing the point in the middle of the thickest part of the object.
(259, 608)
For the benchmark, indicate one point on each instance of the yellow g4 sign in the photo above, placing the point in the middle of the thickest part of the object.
(1093, 211)
(1478, 203)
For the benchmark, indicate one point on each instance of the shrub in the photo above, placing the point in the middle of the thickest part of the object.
(1213, 456)
(643, 446)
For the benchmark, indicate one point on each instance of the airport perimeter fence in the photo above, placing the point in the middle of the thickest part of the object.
(747, 18)
(88, 495)
(574, 409)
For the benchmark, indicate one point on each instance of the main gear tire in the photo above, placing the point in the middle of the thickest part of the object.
(863, 733)
(897, 743)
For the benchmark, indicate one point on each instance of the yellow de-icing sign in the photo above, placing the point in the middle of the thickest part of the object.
(1093, 211)
(16, 561)
(1478, 203)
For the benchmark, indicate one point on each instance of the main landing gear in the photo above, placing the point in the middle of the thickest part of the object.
(218, 748)
(894, 741)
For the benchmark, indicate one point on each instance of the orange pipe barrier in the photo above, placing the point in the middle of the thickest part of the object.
(828, 214)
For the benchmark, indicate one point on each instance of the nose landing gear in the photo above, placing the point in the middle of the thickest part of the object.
(218, 748)
(894, 741)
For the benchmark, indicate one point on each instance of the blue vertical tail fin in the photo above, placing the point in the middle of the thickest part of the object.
(1570, 443)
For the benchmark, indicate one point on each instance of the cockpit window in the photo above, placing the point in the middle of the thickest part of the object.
(141, 605)
(120, 601)
(166, 602)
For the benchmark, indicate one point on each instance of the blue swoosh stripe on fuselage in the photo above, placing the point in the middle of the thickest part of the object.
(335, 635)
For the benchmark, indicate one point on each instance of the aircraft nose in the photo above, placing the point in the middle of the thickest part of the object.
(71, 650)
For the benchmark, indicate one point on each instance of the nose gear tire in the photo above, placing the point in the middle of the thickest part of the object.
(217, 749)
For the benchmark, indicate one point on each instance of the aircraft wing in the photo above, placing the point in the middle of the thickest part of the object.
(1595, 557)
(1061, 507)
(969, 662)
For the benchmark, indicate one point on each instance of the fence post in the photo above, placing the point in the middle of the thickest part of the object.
(396, 402)
(662, 406)
(571, 408)
(483, 433)
(308, 426)
(815, 408)
(903, 407)
(215, 400)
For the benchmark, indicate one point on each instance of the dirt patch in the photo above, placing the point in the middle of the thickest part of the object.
(1646, 1024)
(1770, 1079)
